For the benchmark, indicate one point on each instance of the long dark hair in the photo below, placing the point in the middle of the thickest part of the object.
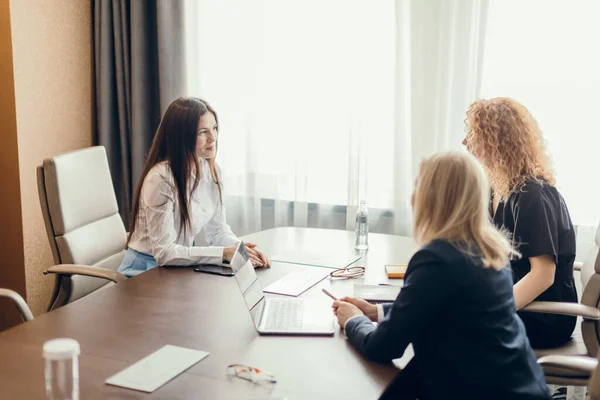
(175, 143)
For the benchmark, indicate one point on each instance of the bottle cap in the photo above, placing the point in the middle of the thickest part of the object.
(61, 349)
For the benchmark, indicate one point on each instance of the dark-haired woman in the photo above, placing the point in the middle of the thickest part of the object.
(180, 194)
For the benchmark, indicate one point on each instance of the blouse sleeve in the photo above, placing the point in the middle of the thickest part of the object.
(536, 226)
(159, 199)
(217, 231)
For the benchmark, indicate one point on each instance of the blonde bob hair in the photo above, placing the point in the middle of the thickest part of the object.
(451, 201)
(506, 138)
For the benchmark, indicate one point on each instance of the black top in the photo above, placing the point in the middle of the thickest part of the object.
(540, 224)
(461, 319)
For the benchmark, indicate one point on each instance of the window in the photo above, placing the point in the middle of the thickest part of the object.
(298, 85)
(544, 54)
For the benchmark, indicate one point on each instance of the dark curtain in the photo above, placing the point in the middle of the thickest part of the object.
(139, 50)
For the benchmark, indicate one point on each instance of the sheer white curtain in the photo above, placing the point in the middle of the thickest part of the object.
(325, 103)
(549, 61)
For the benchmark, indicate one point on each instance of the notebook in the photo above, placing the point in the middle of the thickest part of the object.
(376, 293)
(158, 368)
(396, 271)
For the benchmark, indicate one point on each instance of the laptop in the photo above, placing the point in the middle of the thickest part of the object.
(276, 315)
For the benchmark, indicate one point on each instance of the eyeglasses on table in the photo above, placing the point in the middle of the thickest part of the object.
(348, 272)
(251, 374)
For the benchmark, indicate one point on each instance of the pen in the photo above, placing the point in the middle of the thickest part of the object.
(328, 293)
(385, 284)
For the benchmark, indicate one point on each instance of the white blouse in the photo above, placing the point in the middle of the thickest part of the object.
(158, 221)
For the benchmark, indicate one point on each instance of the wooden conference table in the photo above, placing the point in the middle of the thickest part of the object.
(121, 324)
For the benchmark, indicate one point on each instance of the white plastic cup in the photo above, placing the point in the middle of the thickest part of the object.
(62, 369)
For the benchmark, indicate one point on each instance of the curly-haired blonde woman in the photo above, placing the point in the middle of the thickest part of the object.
(506, 139)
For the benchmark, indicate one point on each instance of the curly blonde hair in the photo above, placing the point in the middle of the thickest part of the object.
(507, 140)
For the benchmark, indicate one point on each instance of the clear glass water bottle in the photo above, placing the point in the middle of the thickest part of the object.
(62, 369)
(362, 227)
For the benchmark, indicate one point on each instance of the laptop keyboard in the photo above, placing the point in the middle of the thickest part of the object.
(284, 315)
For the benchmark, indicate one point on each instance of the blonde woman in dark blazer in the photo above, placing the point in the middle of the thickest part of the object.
(456, 306)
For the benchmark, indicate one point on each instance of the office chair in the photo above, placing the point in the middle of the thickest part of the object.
(587, 365)
(22, 307)
(85, 231)
(594, 386)
(562, 366)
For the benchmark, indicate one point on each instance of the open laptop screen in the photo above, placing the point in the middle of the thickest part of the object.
(247, 281)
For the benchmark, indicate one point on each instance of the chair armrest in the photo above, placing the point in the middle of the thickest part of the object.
(86, 270)
(577, 265)
(554, 307)
(576, 363)
(19, 302)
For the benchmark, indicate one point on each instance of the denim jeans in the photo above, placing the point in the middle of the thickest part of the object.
(134, 263)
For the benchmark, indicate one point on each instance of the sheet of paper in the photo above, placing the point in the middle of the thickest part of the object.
(403, 361)
(158, 368)
(297, 282)
(318, 260)
(376, 292)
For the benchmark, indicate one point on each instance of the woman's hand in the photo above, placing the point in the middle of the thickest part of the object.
(344, 311)
(257, 254)
(228, 252)
(370, 310)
